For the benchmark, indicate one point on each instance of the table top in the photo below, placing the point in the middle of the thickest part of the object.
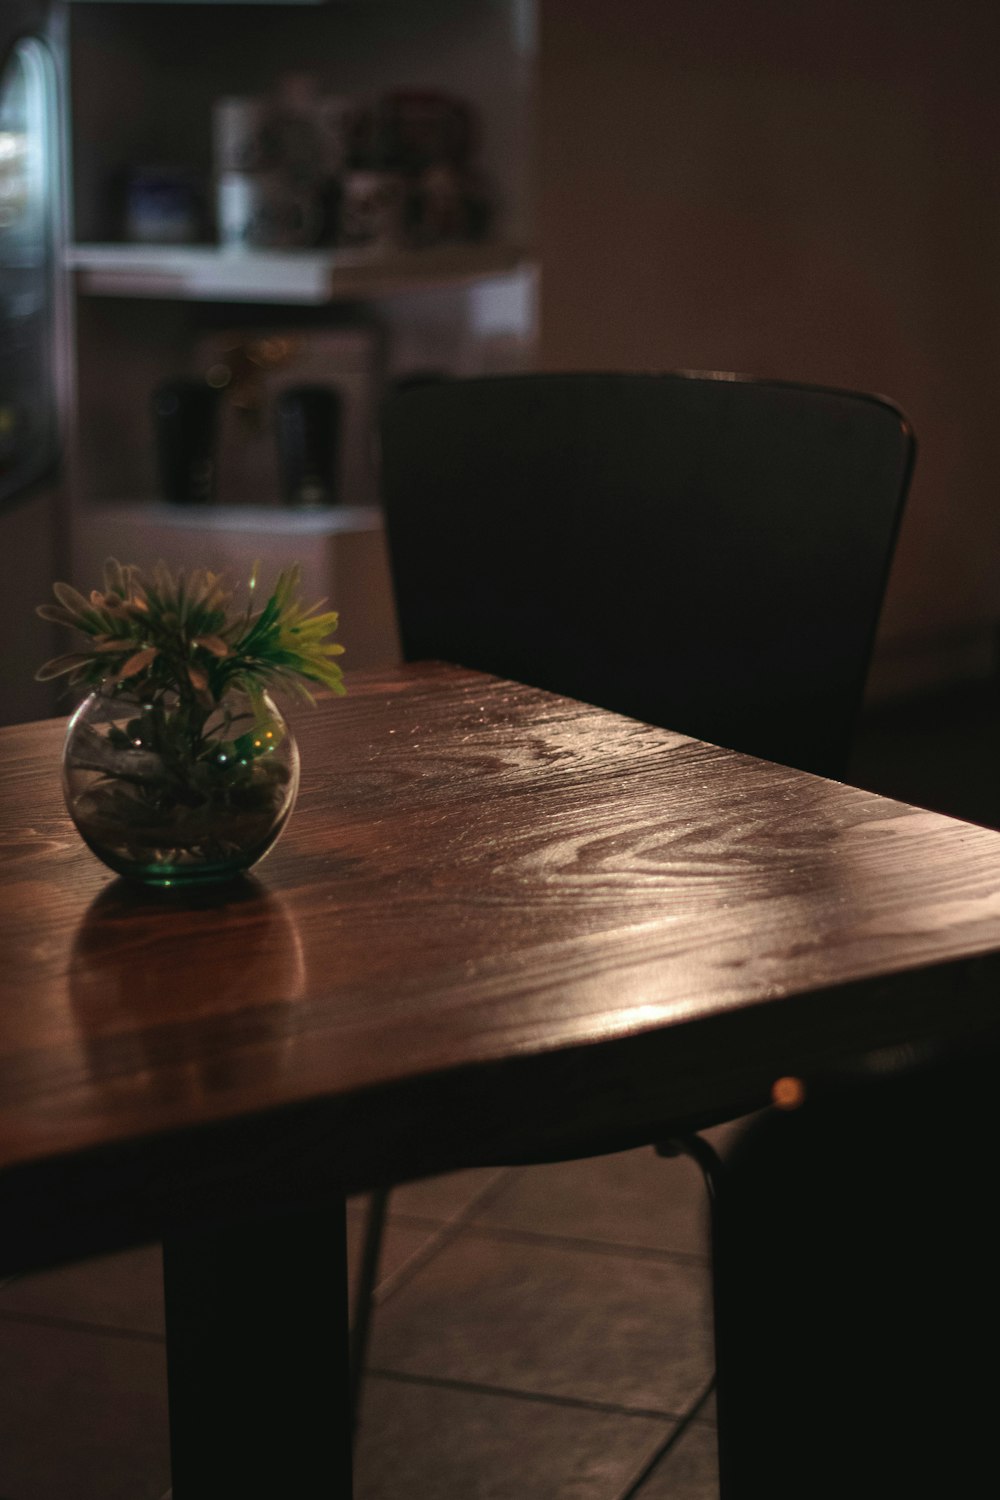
(498, 922)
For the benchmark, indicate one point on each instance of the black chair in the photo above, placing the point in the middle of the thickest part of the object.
(703, 552)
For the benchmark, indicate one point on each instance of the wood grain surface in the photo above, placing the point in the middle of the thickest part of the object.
(498, 922)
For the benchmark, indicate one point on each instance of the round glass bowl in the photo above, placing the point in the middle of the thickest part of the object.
(168, 793)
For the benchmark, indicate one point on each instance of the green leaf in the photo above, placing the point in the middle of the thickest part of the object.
(183, 636)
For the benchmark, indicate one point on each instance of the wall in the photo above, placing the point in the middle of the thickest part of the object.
(803, 192)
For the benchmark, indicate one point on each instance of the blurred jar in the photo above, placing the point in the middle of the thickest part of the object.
(263, 210)
(373, 208)
(238, 128)
(184, 416)
(162, 207)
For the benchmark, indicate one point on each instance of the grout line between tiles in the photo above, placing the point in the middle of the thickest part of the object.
(416, 1221)
(80, 1325)
(578, 1242)
(444, 1235)
(544, 1398)
(633, 1489)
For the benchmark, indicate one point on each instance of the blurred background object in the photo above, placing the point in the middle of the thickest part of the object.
(33, 327)
(295, 413)
(162, 206)
(184, 421)
(299, 166)
(190, 279)
(307, 429)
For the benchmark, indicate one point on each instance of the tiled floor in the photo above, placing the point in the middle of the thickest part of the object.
(542, 1333)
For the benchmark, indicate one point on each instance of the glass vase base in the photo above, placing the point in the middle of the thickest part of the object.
(166, 875)
(164, 806)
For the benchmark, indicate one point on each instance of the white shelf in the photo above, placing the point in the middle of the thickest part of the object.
(206, 273)
(248, 520)
(209, 2)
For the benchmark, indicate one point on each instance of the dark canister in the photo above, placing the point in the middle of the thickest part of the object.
(307, 427)
(184, 422)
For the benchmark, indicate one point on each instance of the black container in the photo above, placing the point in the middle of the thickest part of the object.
(307, 427)
(184, 423)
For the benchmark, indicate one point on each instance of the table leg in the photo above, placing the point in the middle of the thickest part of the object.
(256, 1315)
(857, 1297)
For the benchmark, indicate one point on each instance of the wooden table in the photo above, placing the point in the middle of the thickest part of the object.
(498, 923)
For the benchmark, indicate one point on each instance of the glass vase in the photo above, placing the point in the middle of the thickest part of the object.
(171, 791)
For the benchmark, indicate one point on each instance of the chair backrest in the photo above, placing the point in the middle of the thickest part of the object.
(704, 552)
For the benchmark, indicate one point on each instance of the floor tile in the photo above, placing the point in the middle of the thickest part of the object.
(116, 1291)
(440, 1443)
(690, 1471)
(125, 1291)
(400, 1243)
(544, 1318)
(633, 1198)
(83, 1415)
(443, 1197)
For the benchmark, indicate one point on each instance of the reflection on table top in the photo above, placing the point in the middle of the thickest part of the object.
(496, 918)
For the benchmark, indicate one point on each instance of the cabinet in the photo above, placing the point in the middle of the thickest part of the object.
(143, 79)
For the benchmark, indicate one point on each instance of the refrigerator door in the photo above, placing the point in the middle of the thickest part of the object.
(31, 221)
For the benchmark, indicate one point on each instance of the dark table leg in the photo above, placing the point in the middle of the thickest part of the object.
(257, 1358)
(857, 1295)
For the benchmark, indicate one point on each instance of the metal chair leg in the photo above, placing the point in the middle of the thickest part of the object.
(711, 1167)
(708, 1161)
(704, 1155)
(364, 1295)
